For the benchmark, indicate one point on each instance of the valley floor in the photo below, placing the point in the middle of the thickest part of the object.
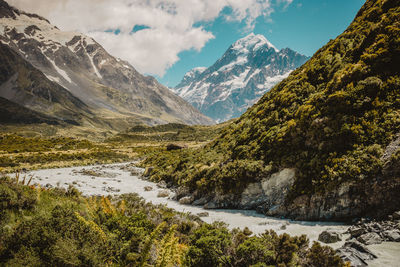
(122, 178)
(125, 178)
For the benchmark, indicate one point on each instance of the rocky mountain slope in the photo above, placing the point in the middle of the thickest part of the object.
(248, 69)
(321, 145)
(12, 113)
(107, 87)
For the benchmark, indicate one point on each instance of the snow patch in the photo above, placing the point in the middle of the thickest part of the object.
(60, 71)
(89, 41)
(53, 79)
(257, 71)
(94, 67)
(241, 60)
(198, 94)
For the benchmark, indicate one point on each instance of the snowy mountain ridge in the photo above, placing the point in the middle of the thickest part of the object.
(109, 86)
(249, 68)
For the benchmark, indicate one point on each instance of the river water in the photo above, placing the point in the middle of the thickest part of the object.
(114, 179)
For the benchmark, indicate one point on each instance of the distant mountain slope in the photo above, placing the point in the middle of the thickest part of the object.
(21, 83)
(321, 145)
(109, 86)
(12, 113)
(249, 68)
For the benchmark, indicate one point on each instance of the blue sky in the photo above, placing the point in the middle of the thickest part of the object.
(304, 26)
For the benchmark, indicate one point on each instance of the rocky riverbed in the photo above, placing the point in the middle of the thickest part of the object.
(367, 242)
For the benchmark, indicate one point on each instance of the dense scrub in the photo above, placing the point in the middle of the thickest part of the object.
(169, 132)
(58, 227)
(331, 119)
(25, 152)
(13, 143)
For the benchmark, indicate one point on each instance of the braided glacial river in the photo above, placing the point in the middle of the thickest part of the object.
(124, 178)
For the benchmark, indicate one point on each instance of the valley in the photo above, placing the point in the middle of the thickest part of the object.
(267, 157)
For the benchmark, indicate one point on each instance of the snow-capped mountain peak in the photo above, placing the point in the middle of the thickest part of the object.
(252, 42)
(194, 72)
(250, 67)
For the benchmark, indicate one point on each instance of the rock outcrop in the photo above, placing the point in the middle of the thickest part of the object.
(356, 253)
(365, 233)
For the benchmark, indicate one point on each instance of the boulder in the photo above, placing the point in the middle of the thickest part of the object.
(392, 235)
(163, 193)
(181, 192)
(162, 184)
(203, 214)
(356, 231)
(370, 238)
(210, 205)
(396, 215)
(135, 172)
(171, 147)
(200, 201)
(329, 237)
(186, 200)
(148, 188)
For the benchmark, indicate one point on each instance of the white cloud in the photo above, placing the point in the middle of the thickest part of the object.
(285, 3)
(171, 24)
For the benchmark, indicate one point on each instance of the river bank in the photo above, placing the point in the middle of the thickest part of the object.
(121, 178)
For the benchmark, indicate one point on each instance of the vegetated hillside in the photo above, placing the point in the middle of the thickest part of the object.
(170, 132)
(118, 95)
(12, 113)
(58, 227)
(323, 144)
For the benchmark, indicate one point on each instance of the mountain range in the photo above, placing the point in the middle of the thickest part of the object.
(71, 78)
(249, 68)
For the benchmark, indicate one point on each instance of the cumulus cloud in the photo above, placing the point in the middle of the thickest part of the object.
(170, 24)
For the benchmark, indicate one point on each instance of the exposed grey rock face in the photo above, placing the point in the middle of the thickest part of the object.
(249, 68)
(370, 238)
(365, 233)
(349, 200)
(392, 235)
(22, 84)
(109, 86)
(356, 253)
(376, 232)
(269, 192)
